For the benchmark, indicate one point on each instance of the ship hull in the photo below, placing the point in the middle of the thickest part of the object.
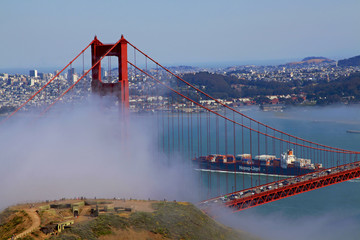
(251, 169)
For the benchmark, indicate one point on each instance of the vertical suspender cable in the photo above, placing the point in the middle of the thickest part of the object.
(259, 162)
(217, 151)
(242, 148)
(252, 157)
(235, 165)
(226, 151)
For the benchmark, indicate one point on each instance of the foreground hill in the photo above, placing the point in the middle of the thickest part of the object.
(113, 219)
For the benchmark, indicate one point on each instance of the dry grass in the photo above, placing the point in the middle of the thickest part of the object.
(13, 222)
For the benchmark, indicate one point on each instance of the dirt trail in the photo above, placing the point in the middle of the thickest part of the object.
(35, 222)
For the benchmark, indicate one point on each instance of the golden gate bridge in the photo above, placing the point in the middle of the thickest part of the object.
(197, 125)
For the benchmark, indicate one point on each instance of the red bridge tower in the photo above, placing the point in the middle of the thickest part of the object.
(119, 89)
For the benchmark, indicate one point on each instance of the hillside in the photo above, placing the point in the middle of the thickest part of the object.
(219, 86)
(344, 89)
(312, 60)
(114, 219)
(335, 91)
(354, 61)
(13, 222)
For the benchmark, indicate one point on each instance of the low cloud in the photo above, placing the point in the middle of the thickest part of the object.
(88, 151)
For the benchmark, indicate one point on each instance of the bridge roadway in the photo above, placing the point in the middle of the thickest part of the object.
(251, 197)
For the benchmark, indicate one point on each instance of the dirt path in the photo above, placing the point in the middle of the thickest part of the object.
(35, 222)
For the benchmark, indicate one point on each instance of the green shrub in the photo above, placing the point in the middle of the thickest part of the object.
(100, 226)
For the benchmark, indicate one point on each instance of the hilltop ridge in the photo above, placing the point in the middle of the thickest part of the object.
(312, 60)
(113, 219)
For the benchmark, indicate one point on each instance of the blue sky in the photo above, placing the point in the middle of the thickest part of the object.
(44, 33)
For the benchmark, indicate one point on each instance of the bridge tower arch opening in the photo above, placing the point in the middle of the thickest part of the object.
(118, 89)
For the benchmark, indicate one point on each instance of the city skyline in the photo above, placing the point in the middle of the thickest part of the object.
(43, 34)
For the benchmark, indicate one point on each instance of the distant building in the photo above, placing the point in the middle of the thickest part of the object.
(103, 73)
(74, 78)
(4, 76)
(33, 73)
(43, 76)
(71, 73)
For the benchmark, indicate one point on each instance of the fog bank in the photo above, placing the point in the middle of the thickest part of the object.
(88, 150)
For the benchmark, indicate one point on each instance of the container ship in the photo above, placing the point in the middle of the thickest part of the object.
(287, 165)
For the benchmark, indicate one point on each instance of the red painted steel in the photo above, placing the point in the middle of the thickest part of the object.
(121, 88)
(123, 72)
(73, 85)
(347, 172)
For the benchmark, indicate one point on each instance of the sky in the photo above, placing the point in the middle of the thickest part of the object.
(43, 33)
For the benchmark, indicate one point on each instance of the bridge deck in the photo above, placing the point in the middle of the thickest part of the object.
(277, 190)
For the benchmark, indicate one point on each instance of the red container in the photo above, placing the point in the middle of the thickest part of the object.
(276, 163)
